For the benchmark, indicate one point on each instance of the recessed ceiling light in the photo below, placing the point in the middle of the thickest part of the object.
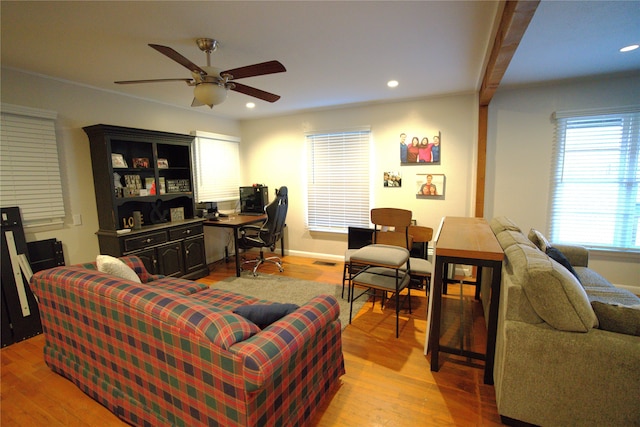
(251, 105)
(629, 48)
(392, 83)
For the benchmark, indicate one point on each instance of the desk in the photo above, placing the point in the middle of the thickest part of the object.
(235, 222)
(467, 241)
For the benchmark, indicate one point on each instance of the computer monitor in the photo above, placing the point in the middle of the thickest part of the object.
(253, 200)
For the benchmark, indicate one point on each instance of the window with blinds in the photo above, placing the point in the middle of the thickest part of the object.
(29, 166)
(596, 179)
(338, 180)
(216, 165)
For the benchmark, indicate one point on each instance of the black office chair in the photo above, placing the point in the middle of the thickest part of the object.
(267, 234)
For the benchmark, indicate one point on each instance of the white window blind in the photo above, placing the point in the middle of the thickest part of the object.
(216, 166)
(29, 167)
(596, 182)
(338, 180)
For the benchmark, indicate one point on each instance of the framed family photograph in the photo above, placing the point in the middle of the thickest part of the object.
(420, 148)
(430, 186)
(392, 179)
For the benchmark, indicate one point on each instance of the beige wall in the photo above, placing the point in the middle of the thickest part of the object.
(272, 152)
(79, 106)
(521, 132)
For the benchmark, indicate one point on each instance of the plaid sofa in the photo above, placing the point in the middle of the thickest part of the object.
(171, 352)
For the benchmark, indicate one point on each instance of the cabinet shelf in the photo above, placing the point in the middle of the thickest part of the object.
(157, 242)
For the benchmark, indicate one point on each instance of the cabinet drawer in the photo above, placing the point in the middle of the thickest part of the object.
(184, 232)
(144, 241)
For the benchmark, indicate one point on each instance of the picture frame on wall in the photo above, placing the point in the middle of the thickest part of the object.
(430, 186)
(392, 179)
(420, 148)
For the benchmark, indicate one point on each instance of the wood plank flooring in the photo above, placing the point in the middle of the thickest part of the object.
(387, 383)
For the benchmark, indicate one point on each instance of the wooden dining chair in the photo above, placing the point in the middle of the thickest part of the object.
(385, 264)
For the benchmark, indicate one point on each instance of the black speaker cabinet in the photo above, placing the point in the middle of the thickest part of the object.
(20, 314)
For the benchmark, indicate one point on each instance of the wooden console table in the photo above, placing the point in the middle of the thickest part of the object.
(467, 241)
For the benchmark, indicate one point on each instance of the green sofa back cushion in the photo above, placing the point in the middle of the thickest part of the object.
(555, 294)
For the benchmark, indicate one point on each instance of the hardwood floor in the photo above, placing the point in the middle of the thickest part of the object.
(387, 383)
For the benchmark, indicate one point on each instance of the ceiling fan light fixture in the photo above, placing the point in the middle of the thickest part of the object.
(210, 93)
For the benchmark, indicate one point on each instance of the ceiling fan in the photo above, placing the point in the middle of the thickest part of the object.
(211, 84)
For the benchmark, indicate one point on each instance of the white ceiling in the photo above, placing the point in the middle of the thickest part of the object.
(335, 52)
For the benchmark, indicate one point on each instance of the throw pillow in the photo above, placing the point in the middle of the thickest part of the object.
(265, 314)
(539, 240)
(556, 255)
(618, 318)
(114, 266)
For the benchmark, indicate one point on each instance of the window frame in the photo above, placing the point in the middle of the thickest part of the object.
(338, 167)
(30, 161)
(597, 151)
(216, 175)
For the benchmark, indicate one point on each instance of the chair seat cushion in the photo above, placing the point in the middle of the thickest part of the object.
(384, 255)
(420, 266)
(348, 253)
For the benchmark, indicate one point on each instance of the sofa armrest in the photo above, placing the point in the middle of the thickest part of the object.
(578, 256)
(265, 353)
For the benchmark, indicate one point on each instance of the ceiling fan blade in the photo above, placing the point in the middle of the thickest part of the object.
(128, 82)
(256, 93)
(261, 69)
(167, 51)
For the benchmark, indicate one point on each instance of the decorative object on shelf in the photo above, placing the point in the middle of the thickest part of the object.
(150, 185)
(177, 214)
(430, 186)
(118, 161)
(163, 164)
(137, 220)
(158, 215)
(420, 150)
(133, 184)
(178, 186)
(163, 187)
(117, 184)
(392, 179)
(140, 162)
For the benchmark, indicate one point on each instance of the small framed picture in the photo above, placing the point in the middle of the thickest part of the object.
(177, 214)
(118, 161)
(163, 164)
(140, 162)
(392, 179)
(430, 186)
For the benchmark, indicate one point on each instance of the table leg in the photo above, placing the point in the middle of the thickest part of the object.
(237, 250)
(492, 327)
(436, 294)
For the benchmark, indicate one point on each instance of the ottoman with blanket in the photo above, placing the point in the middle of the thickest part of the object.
(165, 351)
